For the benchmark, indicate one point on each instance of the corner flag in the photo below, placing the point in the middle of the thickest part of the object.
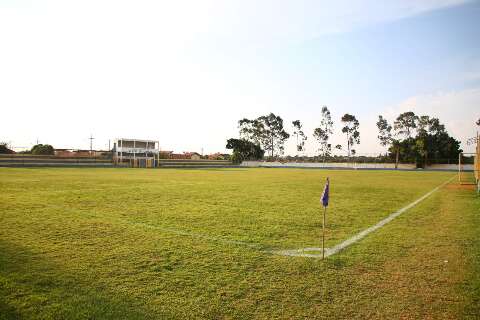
(324, 201)
(325, 195)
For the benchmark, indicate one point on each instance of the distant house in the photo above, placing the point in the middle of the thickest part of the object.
(216, 156)
(165, 154)
(186, 156)
(192, 155)
(64, 153)
(72, 153)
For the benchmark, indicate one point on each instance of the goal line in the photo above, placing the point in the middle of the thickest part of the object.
(307, 252)
(311, 252)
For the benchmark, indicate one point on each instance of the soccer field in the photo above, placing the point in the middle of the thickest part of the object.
(146, 243)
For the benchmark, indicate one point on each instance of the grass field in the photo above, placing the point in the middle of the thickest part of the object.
(175, 244)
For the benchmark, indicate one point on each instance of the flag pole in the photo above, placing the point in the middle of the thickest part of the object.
(323, 233)
(324, 202)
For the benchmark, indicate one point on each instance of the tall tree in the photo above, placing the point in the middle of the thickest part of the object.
(423, 123)
(351, 126)
(267, 131)
(427, 125)
(323, 132)
(274, 134)
(251, 130)
(386, 137)
(300, 135)
(421, 141)
(405, 124)
(384, 131)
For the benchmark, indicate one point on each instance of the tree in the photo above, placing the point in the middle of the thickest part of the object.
(297, 131)
(431, 142)
(275, 135)
(266, 131)
(251, 130)
(384, 131)
(424, 126)
(405, 124)
(403, 127)
(478, 122)
(351, 130)
(42, 149)
(4, 149)
(244, 150)
(386, 137)
(323, 132)
(428, 132)
(427, 125)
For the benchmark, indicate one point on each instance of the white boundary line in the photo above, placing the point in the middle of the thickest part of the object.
(359, 236)
(303, 252)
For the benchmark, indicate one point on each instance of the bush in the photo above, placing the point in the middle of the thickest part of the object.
(4, 148)
(236, 157)
(244, 150)
(43, 149)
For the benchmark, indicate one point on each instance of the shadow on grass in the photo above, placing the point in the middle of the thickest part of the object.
(7, 311)
(32, 287)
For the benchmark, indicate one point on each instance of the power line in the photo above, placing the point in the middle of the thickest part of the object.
(91, 143)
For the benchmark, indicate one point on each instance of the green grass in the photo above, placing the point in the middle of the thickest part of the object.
(135, 243)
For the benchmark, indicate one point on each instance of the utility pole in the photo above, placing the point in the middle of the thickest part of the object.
(91, 143)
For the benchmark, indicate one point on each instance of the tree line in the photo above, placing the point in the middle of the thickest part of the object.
(418, 139)
(411, 138)
(38, 149)
(267, 134)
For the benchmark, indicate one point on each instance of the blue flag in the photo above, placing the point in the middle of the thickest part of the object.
(325, 195)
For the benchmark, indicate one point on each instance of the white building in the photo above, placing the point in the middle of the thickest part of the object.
(139, 153)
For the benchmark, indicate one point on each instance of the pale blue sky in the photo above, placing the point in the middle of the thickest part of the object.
(185, 72)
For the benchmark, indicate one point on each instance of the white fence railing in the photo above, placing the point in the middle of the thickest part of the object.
(349, 165)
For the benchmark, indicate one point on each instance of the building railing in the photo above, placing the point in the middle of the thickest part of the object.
(137, 150)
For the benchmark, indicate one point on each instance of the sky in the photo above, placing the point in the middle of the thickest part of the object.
(184, 72)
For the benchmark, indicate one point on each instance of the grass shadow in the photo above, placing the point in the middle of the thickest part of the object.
(32, 287)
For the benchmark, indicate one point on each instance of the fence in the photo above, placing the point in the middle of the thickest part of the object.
(354, 165)
(477, 160)
(476, 165)
(28, 160)
(371, 158)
